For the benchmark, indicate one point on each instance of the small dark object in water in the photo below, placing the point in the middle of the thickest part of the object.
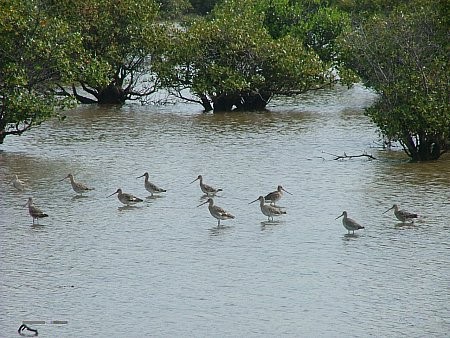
(27, 331)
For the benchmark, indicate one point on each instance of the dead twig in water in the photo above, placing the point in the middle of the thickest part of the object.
(340, 157)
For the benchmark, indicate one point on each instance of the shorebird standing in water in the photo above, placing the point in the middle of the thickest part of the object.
(125, 198)
(269, 210)
(402, 215)
(149, 186)
(78, 187)
(349, 224)
(216, 211)
(207, 189)
(18, 184)
(276, 195)
(34, 211)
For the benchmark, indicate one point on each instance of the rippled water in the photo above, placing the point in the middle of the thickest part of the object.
(165, 269)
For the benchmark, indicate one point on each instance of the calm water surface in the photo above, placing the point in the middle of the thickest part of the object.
(165, 269)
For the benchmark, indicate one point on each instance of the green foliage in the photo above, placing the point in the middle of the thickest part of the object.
(313, 22)
(404, 57)
(363, 9)
(230, 60)
(120, 38)
(36, 51)
(174, 9)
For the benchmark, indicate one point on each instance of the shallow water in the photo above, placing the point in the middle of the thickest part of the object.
(165, 269)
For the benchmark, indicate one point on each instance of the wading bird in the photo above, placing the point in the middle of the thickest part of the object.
(18, 184)
(349, 224)
(78, 187)
(402, 215)
(125, 198)
(276, 195)
(208, 190)
(34, 211)
(149, 186)
(269, 210)
(216, 211)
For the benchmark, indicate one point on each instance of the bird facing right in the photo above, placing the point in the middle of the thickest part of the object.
(276, 195)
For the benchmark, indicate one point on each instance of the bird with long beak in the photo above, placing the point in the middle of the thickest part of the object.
(349, 224)
(402, 215)
(34, 211)
(78, 187)
(268, 210)
(276, 195)
(125, 198)
(216, 211)
(207, 189)
(149, 186)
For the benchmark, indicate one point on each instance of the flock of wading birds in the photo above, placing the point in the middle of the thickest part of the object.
(270, 210)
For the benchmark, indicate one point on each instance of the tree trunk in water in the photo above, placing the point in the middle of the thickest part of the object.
(225, 102)
(427, 148)
(111, 95)
(205, 103)
(250, 101)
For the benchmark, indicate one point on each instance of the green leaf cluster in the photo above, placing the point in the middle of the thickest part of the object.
(36, 51)
(231, 55)
(119, 39)
(404, 57)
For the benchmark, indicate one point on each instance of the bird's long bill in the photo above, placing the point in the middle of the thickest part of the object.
(63, 179)
(254, 201)
(140, 176)
(112, 194)
(194, 180)
(340, 216)
(286, 191)
(202, 203)
(388, 210)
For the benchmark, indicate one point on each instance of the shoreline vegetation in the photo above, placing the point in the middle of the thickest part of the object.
(229, 56)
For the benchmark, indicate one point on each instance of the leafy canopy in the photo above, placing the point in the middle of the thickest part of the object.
(120, 38)
(36, 51)
(404, 57)
(231, 59)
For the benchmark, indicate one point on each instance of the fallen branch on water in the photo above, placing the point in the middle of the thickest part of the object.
(340, 157)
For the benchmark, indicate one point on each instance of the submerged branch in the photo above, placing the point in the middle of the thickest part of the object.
(340, 157)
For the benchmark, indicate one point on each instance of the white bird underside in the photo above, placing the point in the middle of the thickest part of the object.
(18, 183)
(269, 210)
